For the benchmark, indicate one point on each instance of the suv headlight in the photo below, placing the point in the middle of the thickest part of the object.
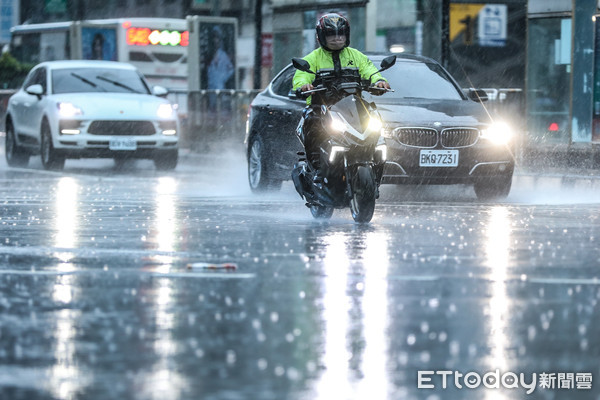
(68, 110)
(165, 111)
(498, 133)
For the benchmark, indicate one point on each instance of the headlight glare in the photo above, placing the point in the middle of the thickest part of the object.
(375, 124)
(498, 133)
(165, 111)
(68, 110)
(337, 124)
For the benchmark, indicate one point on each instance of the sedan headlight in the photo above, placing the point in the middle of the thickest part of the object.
(68, 110)
(498, 133)
(165, 111)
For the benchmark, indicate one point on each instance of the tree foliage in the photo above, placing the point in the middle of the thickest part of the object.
(12, 72)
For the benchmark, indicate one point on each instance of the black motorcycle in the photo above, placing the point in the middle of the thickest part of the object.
(349, 165)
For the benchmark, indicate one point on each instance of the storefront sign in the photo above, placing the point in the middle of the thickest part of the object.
(492, 25)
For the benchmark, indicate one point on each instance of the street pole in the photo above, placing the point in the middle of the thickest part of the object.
(258, 44)
(445, 33)
(371, 26)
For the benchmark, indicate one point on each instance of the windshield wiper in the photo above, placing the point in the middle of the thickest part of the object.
(116, 83)
(92, 84)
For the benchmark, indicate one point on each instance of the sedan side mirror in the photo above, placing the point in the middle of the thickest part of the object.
(160, 91)
(292, 95)
(35, 90)
(478, 95)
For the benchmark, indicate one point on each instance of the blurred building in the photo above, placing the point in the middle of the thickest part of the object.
(563, 75)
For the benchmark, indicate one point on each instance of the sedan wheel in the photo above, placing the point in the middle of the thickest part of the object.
(15, 156)
(50, 159)
(258, 168)
(493, 188)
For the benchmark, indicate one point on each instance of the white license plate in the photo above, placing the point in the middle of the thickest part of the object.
(438, 158)
(122, 144)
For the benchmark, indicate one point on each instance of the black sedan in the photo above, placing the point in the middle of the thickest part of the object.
(435, 132)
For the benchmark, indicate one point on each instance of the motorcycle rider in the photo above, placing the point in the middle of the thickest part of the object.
(333, 34)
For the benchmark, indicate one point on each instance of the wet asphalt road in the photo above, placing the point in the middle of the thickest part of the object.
(97, 300)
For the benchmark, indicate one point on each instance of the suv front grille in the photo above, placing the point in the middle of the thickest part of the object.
(416, 137)
(122, 128)
(459, 137)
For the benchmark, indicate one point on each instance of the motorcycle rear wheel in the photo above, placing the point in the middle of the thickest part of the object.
(364, 190)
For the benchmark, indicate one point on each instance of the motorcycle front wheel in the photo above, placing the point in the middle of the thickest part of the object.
(364, 188)
(321, 212)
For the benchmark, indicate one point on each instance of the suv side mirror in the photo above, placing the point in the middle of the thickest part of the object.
(160, 91)
(35, 90)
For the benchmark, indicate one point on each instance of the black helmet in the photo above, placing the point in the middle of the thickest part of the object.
(332, 24)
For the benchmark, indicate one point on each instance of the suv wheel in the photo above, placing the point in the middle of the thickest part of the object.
(51, 160)
(15, 155)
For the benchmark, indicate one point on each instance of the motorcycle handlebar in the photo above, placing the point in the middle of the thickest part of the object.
(372, 89)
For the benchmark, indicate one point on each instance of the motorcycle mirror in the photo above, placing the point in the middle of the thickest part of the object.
(301, 65)
(388, 62)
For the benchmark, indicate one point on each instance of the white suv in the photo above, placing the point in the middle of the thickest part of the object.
(91, 109)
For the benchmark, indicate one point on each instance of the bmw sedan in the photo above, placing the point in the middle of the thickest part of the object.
(82, 109)
(435, 132)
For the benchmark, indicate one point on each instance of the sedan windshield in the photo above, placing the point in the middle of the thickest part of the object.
(412, 80)
(81, 80)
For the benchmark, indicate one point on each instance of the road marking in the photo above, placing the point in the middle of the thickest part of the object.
(565, 281)
(219, 275)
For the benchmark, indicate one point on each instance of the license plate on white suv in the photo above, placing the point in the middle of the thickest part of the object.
(122, 144)
(438, 158)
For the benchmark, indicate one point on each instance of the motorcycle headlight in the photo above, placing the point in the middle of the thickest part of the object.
(165, 111)
(337, 125)
(68, 110)
(375, 124)
(498, 133)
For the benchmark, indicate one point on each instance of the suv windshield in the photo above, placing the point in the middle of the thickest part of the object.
(418, 80)
(78, 80)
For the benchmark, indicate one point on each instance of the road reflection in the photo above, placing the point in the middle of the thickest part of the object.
(66, 221)
(165, 225)
(497, 253)
(349, 375)
(162, 381)
(66, 378)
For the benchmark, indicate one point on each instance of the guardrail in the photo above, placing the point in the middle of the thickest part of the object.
(214, 116)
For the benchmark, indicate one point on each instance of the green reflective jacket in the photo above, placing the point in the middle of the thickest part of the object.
(349, 58)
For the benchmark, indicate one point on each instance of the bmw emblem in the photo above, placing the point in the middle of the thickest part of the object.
(437, 124)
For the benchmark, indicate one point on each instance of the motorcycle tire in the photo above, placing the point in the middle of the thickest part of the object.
(362, 204)
(321, 212)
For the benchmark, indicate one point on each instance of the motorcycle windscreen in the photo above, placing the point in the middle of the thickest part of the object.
(355, 111)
